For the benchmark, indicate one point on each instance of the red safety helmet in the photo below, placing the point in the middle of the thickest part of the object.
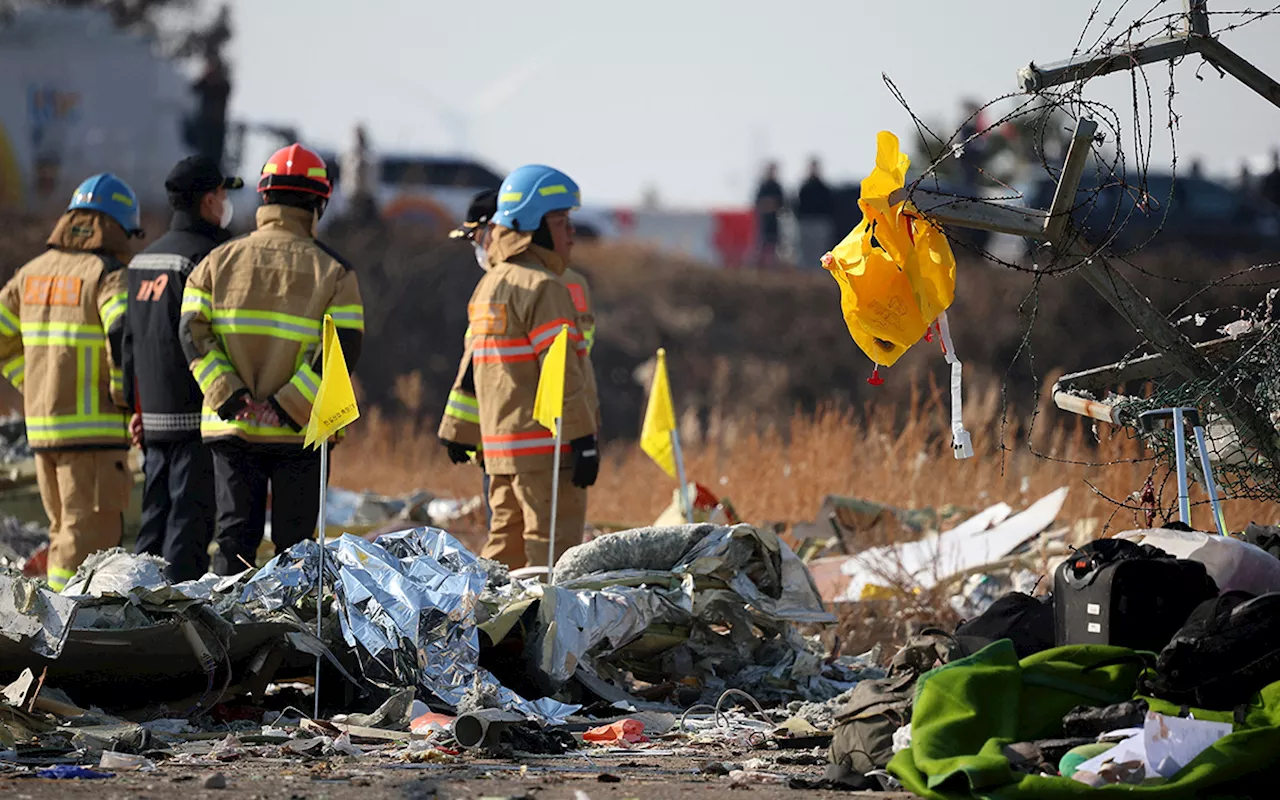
(295, 169)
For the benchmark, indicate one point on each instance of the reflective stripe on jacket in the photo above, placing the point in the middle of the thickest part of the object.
(252, 314)
(515, 313)
(461, 420)
(580, 293)
(157, 380)
(61, 333)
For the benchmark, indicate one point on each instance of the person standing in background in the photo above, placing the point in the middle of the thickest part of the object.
(1270, 185)
(177, 502)
(515, 314)
(61, 340)
(769, 203)
(252, 316)
(815, 207)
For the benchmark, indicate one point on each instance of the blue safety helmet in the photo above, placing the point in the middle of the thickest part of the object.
(530, 193)
(106, 193)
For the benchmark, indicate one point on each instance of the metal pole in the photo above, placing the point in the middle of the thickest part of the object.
(555, 501)
(684, 485)
(1180, 458)
(324, 473)
(1210, 485)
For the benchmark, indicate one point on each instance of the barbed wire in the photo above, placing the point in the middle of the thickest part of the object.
(1119, 213)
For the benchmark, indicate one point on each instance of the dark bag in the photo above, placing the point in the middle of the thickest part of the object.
(1115, 592)
(1093, 721)
(1228, 650)
(1266, 537)
(1025, 620)
(865, 724)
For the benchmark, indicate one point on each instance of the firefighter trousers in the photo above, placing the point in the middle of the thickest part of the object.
(243, 473)
(85, 494)
(520, 529)
(178, 507)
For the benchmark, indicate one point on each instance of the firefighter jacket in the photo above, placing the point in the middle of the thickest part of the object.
(252, 316)
(515, 313)
(461, 420)
(61, 335)
(156, 378)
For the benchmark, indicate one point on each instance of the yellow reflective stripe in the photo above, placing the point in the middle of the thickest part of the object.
(559, 188)
(510, 197)
(113, 309)
(307, 382)
(196, 301)
(463, 406)
(267, 323)
(87, 387)
(75, 426)
(350, 317)
(211, 423)
(210, 368)
(317, 172)
(58, 577)
(13, 370)
(61, 334)
(10, 325)
(117, 379)
(122, 198)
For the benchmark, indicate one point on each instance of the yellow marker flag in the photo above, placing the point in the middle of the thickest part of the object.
(335, 404)
(548, 404)
(660, 420)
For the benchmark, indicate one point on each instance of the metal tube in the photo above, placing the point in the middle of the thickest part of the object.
(1180, 458)
(684, 484)
(555, 501)
(483, 727)
(1210, 485)
(1064, 197)
(1085, 408)
(324, 473)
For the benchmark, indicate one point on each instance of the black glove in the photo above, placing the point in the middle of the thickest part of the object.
(235, 404)
(586, 461)
(458, 453)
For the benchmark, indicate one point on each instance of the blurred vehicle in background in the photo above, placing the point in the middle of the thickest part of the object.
(1190, 212)
(415, 188)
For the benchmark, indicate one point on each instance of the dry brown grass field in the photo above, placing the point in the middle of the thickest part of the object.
(781, 473)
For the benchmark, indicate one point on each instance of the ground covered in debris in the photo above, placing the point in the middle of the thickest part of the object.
(598, 778)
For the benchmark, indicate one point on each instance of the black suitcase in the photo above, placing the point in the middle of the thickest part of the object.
(1119, 593)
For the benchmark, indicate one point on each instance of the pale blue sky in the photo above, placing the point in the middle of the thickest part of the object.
(690, 97)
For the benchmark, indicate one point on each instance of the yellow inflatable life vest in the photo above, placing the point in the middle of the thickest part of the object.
(895, 270)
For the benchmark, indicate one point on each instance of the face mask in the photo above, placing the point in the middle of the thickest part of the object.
(482, 258)
(228, 211)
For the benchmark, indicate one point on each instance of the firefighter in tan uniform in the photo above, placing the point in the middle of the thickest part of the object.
(515, 313)
(252, 316)
(61, 335)
(460, 424)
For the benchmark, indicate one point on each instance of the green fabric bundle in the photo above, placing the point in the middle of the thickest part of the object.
(967, 711)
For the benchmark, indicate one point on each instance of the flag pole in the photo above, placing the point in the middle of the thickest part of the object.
(324, 470)
(684, 485)
(555, 500)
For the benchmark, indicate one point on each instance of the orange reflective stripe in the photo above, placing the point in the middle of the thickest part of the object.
(544, 335)
(518, 437)
(512, 445)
